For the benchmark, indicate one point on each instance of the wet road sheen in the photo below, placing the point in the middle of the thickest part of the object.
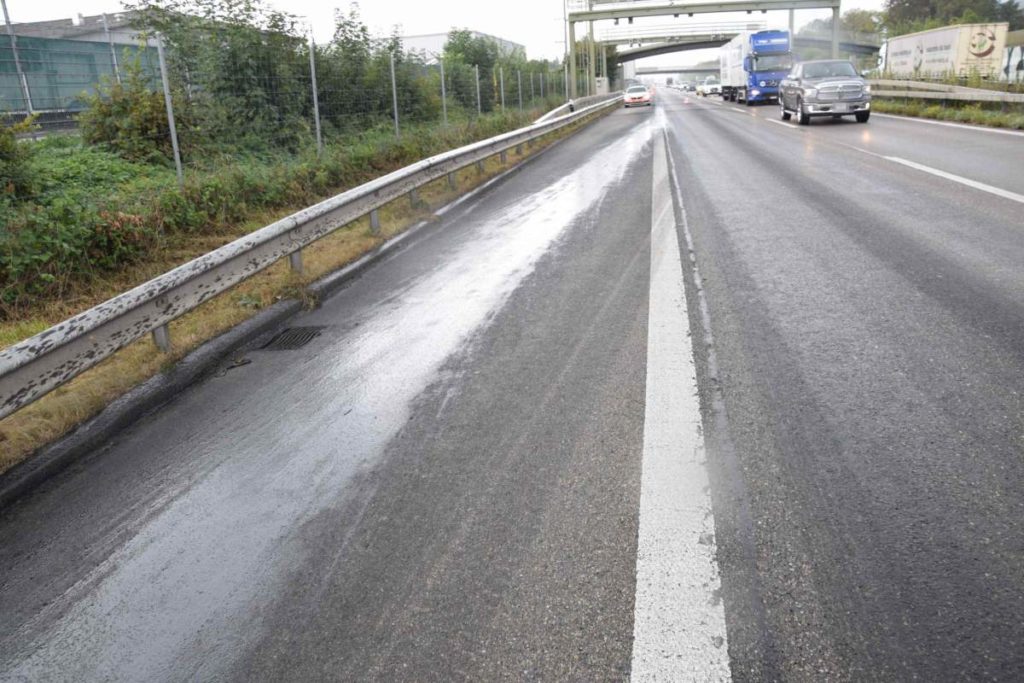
(446, 483)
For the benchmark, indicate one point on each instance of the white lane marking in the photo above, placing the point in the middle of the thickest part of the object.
(998, 191)
(679, 621)
(780, 123)
(979, 129)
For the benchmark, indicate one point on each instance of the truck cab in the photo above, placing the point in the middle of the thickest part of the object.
(753, 65)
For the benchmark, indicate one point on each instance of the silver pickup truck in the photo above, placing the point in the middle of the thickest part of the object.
(827, 87)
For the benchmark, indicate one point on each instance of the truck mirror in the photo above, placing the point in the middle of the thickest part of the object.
(747, 64)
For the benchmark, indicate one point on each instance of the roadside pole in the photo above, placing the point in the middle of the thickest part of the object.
(444, 96)
(394, 95)
(476, 70)
(501, 84)
(519, 79)
(316, 96)
(170, 110)
(113, 52)
(17, 61)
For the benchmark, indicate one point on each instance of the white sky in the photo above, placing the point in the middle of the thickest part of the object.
(537, 24)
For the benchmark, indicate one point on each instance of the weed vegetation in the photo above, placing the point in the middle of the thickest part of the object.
(973, 114)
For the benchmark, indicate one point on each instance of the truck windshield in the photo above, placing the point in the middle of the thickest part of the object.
(774, 63)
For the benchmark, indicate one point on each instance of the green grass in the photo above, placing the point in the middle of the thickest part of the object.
(972, 114)
(91, 213)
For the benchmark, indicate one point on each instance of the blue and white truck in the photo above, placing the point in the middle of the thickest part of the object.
(753, 63)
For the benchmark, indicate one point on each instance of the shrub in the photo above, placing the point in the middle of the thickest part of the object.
(130, 117)
(16, 178)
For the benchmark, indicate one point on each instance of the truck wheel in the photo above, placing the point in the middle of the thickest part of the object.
(801, 116)
(782, 109)
(863, 116)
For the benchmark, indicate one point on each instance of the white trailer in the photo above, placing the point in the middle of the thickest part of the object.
(966, 50)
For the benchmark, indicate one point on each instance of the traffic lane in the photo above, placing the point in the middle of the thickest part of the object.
(870, 374)
(988, 156)
(498, 538)
(145, 561)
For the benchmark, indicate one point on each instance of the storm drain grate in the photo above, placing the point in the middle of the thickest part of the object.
(292, 338)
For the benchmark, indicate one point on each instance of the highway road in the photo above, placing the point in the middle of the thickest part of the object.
(694, 395)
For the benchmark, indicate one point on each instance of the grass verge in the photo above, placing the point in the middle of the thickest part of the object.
(60, 411)
(973, 114)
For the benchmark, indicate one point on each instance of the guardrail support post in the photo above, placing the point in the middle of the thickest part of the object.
(295, 261)
(519, 149)
(162, 338)
(480, 167)
(375, 222)
(503, 155)
(452, 183)
(414, 198)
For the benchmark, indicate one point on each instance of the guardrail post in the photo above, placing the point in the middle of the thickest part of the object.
(170, 111)
(295, 261)
(519, 149)
(480, 167)
(162, 338)
(374, 222)
(503, 155)
(452, 183)
(316, 96)
(476, 70)
(394, 94)
(414, 198)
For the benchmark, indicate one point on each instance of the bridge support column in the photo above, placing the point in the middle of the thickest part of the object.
(572, 61)
(591, 63)
(835, 33)
(792, 24)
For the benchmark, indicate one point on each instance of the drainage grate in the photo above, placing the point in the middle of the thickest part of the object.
(292, 338)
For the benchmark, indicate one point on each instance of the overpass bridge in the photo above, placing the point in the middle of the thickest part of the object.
(859, 45)
(589, 12)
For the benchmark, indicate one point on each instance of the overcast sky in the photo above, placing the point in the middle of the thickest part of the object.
(537, 24)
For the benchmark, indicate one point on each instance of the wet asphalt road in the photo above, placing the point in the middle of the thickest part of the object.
(445, 483)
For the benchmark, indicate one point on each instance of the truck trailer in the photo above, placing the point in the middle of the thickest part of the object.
(966, 50)
(753, 63)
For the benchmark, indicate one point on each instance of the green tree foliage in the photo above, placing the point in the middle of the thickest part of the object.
(462, 53)
(907, 16)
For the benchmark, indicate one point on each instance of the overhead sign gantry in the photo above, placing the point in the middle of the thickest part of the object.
(603, 10)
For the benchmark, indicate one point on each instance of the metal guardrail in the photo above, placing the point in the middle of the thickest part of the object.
(940, 91)
(36, 366)
(578, 103)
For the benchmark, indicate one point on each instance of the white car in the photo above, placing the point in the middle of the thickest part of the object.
(637, 96)
(710, 86)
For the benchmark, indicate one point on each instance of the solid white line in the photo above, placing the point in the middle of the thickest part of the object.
(999, 192)
(978, 129)
(679, 620)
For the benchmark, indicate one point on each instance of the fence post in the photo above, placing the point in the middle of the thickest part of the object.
(170, 110)
(316, 96)
(17, 60)
(519, 79)
(542, 85)
(113, 52)
(532, 97)
(476, 69)
(501, 82)
(394, 94)
(444, 96)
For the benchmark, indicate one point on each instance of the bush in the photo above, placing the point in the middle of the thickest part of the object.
(130, 117)
(16, 178)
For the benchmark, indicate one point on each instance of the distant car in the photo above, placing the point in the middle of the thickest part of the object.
(826, 87)
(637, 96)
(709, 86)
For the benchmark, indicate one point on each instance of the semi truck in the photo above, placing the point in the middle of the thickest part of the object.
(753, 63)
(966, 50)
